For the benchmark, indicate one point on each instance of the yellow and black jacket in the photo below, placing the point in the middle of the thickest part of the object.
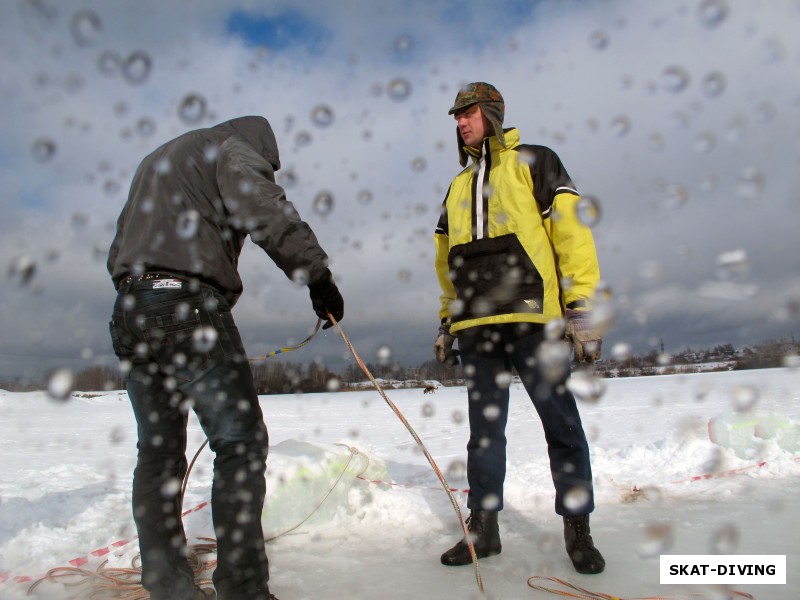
(509, 244)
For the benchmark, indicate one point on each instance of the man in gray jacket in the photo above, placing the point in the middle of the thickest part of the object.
(192, 203)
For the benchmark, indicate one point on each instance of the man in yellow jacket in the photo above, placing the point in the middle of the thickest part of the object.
(511, 257)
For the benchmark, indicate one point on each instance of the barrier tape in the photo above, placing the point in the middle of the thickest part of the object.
(585, 594)
(80, 561)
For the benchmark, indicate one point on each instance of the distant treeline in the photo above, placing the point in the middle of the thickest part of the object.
(279, 377)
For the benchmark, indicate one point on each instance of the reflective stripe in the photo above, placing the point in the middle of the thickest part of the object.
(479, 214)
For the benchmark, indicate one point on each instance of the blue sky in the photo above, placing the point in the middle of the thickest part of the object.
(281, 31)
(695, 178)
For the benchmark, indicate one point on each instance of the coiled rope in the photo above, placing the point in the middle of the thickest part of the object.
(125, 583)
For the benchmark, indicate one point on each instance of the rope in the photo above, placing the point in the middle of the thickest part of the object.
(289, 348)
(417, 439)
(584, 594)
(107, 582)
(257, 358)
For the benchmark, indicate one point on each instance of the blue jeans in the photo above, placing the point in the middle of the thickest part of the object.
(184, 352)
(491, 350)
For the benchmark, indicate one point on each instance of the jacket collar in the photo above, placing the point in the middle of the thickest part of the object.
(511, 139)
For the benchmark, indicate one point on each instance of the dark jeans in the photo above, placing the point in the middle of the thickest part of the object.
(491, 350)
(184, 352)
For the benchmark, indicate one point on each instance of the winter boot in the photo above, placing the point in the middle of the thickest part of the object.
(485, 534)
(584, 556)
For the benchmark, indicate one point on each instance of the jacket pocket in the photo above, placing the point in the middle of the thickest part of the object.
(495, 276)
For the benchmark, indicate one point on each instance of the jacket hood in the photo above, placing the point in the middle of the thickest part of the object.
(257, 132)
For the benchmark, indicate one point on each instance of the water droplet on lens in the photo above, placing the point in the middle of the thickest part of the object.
(675, 79)
(724, 540)
(108, 63)
(43, 150)
(457, 470)
(675, 196)
(620, 125)
(204, 339)
(403, 44)
(287, 179)
(656, 142)
(300, 277)
(745, 397)
(334, 384)
(302, 138)
(322, 115)
(323, 203)
(553, 359)
(588, 211)
(136, 68)
(418, 164)
(712, 12)
(576, 499)
(187, 223)
(171, 488)
(714, 84)
(192, 108)
(705, 142)
(586, 387)
(364, 197)
(383, 354)
(658, 539)
(503, 380)
(621, 351)
(490, 502)
(750, 184)
(84, 26)
(59, 385)
(554, 330)
(22, 269)
(145, 126)
(732, 262)
(428, 410)
(399, 89)
(599, 40)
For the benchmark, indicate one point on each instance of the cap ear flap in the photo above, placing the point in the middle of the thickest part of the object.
(462, 155)
(494, 113)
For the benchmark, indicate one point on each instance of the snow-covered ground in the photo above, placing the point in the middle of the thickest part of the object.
(662, 488)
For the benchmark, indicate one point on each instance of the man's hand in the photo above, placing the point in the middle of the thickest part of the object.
(585, 339)
(325, 298)
(443, 347)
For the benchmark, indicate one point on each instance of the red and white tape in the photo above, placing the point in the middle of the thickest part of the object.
(80, 561)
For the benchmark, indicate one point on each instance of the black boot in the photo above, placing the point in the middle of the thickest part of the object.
(485, 534)
(584, 556)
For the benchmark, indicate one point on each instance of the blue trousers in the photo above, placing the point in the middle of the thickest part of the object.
(490, 351)
(184, 352)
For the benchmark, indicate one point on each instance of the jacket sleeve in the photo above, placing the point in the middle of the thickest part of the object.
(441, 241)
(257, 206)
(576, 257)
(573, 243)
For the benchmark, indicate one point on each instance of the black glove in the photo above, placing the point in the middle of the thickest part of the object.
(325, 298)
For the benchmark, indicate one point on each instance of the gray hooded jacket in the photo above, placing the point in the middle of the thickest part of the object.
(195, 199)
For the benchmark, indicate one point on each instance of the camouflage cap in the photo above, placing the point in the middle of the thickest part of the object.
(473, 93)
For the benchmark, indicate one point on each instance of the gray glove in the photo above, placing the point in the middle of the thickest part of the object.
(443, 347)
(585, 339)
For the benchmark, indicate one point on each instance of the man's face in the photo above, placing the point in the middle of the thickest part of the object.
(473, 125)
